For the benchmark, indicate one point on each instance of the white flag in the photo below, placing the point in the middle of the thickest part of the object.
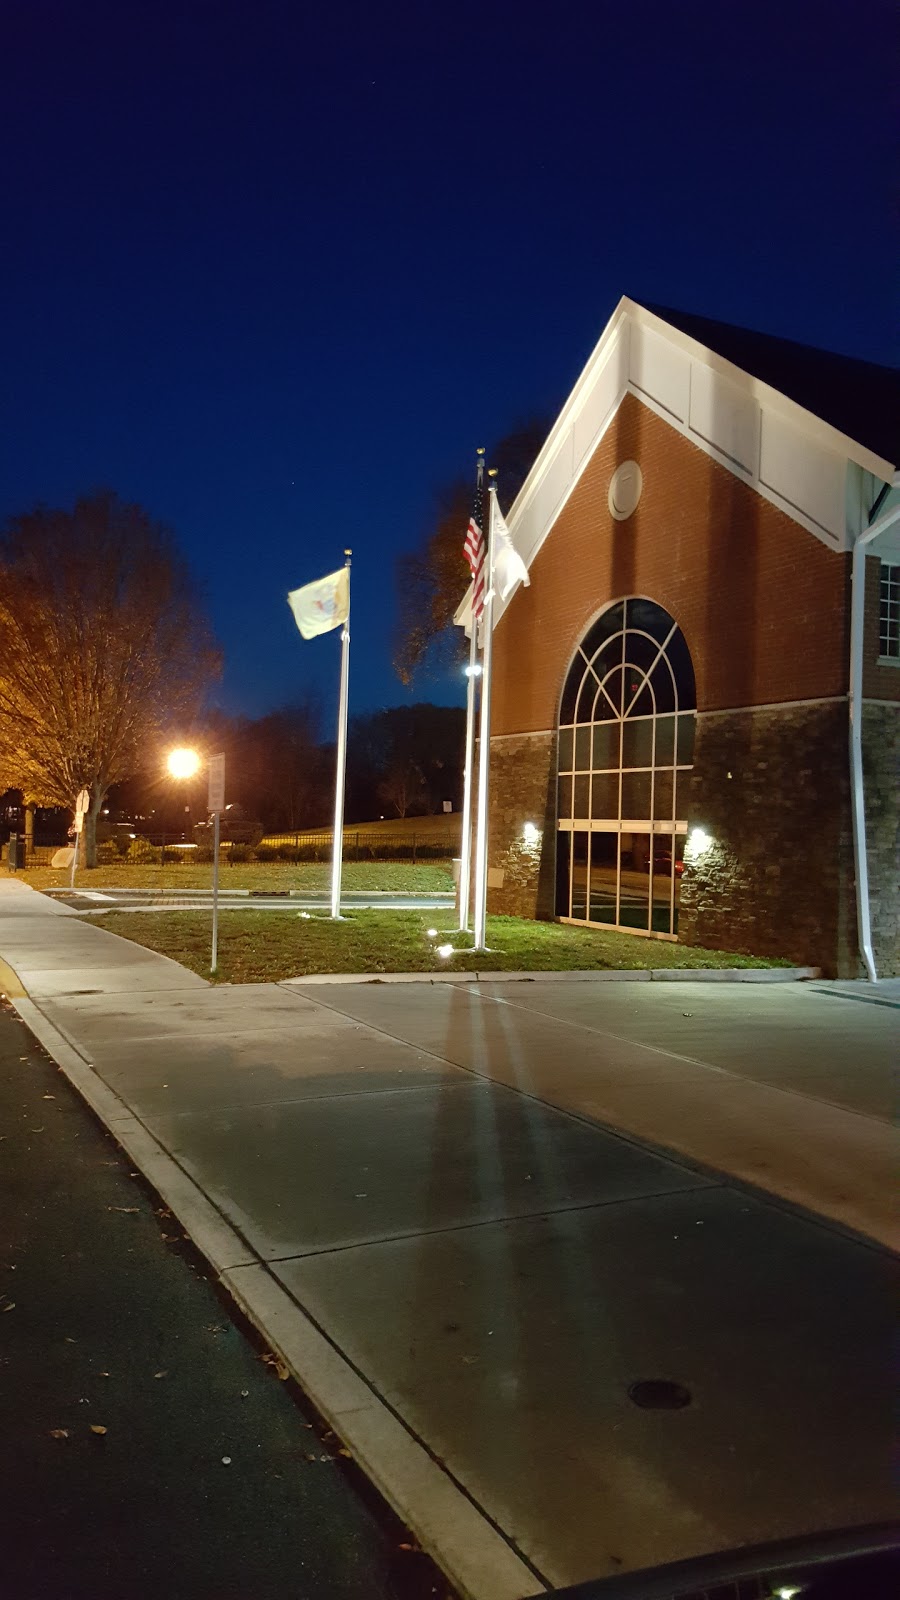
(319, 607)
(509, 568)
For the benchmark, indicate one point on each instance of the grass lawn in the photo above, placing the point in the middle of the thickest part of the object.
(426, 877)
(261, 946)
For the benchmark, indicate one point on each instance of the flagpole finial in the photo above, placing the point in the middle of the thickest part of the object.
(480, 450)
(492, 472)
(348, 554)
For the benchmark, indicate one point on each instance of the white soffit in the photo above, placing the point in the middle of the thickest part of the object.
(790, 457)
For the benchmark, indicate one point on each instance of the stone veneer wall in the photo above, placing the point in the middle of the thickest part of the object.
(778, 879)
(771, 787)
(881, 775)
(523, 789)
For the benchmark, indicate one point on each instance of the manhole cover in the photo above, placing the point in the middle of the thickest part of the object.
(659, 1394)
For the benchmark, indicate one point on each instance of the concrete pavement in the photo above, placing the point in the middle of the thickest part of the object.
(473, 1217)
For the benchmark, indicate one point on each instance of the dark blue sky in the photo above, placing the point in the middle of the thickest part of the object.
(274, 269)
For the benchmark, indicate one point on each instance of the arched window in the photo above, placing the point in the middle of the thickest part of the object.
(626, 746)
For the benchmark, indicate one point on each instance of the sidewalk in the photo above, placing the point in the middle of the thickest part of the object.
(416, 1192)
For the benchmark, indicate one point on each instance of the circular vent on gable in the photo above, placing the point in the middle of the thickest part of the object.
(625, 487)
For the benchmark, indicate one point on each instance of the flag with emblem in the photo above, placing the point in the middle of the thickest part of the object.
(318, 607)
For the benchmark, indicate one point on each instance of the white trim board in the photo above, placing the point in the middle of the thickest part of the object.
(795, 460)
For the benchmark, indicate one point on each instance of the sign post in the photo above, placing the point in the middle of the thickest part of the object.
(216, 804)
(81, 806)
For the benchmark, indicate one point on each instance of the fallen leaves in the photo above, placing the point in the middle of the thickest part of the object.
(278, 1366)
(59, 1433)
(128, 1211)
(98, 1428)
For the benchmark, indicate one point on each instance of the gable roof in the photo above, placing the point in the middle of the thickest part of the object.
(859, 398)
(793, 423)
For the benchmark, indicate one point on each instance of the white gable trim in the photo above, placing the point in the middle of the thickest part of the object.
(801, 464)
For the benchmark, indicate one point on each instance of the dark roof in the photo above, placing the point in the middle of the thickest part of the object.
(859, 398)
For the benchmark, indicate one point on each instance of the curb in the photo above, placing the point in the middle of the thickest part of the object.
(604, 975)
(473, 1554)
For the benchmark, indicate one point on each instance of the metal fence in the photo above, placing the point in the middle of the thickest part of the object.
(287, 849)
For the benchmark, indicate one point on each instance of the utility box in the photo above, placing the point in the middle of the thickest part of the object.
(16, 858)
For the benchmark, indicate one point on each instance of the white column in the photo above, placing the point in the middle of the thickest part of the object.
(857, 787)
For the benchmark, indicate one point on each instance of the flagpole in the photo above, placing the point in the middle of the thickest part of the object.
(472, 670)
(484, 733)
(337, 846)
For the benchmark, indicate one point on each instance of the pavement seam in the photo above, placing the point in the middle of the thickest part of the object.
(670, 1153)
(692, 1061)
(477, 1556)
(492, 1222)
(574, 975)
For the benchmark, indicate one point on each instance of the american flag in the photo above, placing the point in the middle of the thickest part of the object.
(473, 548)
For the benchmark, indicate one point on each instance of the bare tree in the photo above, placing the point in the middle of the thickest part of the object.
(103, 645)
(432, 579)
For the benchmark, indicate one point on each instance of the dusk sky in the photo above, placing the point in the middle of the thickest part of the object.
(274, 270)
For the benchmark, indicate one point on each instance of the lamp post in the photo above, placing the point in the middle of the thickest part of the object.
(184, 763)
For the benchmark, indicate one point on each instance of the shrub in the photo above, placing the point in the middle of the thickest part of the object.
(203, 854)
(239, 853)
(108, 853)
(141, 853)
(267, 852)
(288, 852)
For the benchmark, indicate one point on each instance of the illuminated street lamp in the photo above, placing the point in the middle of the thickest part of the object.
(184, 763)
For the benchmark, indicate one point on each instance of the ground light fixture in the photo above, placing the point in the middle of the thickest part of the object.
(431, 933)
(444, 950)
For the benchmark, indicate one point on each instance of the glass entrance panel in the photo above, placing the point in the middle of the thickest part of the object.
(625, 754)
(604, 874)
(579, 875)
(634, 880)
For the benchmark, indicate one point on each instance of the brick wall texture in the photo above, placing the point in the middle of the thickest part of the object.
(881, 769)
(765, 610)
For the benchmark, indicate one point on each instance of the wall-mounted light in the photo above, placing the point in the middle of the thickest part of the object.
(473, 671)
(698, 842)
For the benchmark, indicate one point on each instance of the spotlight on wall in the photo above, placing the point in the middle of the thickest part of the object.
(531, 834)
(698, 842)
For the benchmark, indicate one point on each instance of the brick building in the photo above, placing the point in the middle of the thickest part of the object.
(695, 727)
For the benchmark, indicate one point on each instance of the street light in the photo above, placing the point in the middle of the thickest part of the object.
(183, 763)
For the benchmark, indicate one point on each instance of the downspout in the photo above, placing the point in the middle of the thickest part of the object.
(857, 625)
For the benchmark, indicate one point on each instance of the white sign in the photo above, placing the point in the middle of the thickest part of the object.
(81, 805)
(216, 798)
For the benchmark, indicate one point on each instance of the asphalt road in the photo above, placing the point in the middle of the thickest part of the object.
(149, 1448)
